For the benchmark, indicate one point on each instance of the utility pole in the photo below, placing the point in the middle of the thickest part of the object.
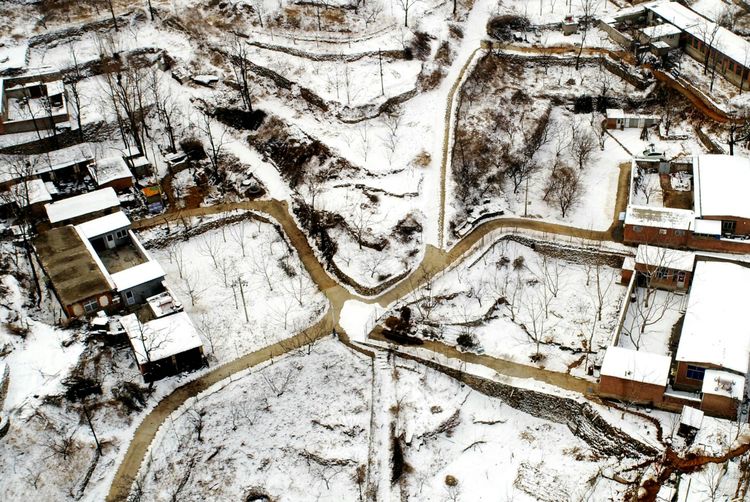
(91, 426)
(380, 62)
(244, 305)
(526, 198)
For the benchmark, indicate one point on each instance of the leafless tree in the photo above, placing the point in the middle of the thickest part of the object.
(209, 247)
(72, 78)
(176, 254)
(582, 145)
(238, 59)
(237, 232)
(588, 10)
(204, 123)
(391, 122)
(406, 5)
(364, 138)
(192, 286)
(535, 310)
(565, 189)
(711, 477)
(166, 106)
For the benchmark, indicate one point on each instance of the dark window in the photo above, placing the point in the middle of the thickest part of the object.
(90, 306)
(728, 226)
(637, 228)
(679, 232)
(696, 372)
(680, 276)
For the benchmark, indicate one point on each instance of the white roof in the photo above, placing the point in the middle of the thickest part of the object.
(615, 113)
(692, 417)
(659, 217)
(635, 365)
(13, 57)
(661, 30)
(715, 331)
(80, 205)
(140, 274)
(105, 224)
(721, 183)
(723, 383)
(56, 87)
(161, 338)
(36, 191)
(109, 169)
(724, 41)
(665, 258)
(707, 227)
(628, 263)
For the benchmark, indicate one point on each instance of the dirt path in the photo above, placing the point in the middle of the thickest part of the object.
(146, 431)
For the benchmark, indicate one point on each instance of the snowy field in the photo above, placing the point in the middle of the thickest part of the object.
(300, 429)
(206, 270)
(517, 304)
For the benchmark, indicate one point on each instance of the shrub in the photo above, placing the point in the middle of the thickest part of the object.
(583, 104)
(466, 341)
(502, 27)
(420, 45)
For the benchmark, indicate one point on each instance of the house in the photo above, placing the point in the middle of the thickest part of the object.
(82, 207)
(107, 249)
(663, 26)
(705, 362)
(616, 118)
(702, 208)
(31, 106)
(66, 166)
(664, 268)
(31, 195)
(75, 273)
(636, 376)
(111, 172)
(714, 348)
(164, 346)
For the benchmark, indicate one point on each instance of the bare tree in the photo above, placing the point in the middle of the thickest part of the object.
(237, 232)
(582, 145)
(392, 122)
(406, 5)
(71, 78)
(209, 247)
(588, 10)
(566, 189)
(238, 59)
(166, 106)
(204, 124)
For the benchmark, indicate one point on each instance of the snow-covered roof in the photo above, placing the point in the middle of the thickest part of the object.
(635, 365)
(13, 57)
(659, 217)
(714, 331)
(80, 205)
(665, 258)
(615, 113)
(55, 87)
(109, 169)
(165, 303)
(661, 30)
(723, 383)
(628, 263)
(100, 226)
(140, 274)
(35, 189)
(707, 227)
(692, 417)
(721, 183)
(161, 338)
(721, 39)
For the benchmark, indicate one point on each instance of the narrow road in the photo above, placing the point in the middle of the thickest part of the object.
(435, 261)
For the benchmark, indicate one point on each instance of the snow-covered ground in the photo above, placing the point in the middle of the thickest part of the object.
(214, 272)
(297, 429)
(506, 297)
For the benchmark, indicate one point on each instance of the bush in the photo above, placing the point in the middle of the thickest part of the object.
(583, 104)
(502, 27)
(193, 148)
(420, 45)
(240, 119)
(466, 341)
(131, 395)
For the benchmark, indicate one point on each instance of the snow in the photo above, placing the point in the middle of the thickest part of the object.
(80, 205)
(721, 183)
(162, 337)
(724, 383)
(34, 192)
(714, 331)
(300, 430)
(104, 225)
(12, 58)
(140, 274)
(637, 366)
(661, 217)
(110, 169)
(664, 258)
(358, 318)
(723, 40)
(691, 417)
(707, 227)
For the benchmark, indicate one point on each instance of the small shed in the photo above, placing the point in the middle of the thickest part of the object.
(111, 172)
(691, 420)
(616, 118)
(633, 375)
(83, 207)
(164, 346)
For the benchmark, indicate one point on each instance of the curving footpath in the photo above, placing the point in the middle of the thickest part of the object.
(434, 262)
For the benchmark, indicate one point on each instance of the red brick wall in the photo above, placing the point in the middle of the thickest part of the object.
(719, 406)
(651, 235)
(709, 244)
(742, 227)
(630, 391)
(120, 185)
(682, 382)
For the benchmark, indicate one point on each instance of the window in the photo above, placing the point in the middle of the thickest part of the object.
(696, 372)
(121, 234)
(129, 298)
(679, 232)
(110, 238)
(681, 276)
(728, 226)
(637, 228)
(662, 273)
(662, 231)
(90, 306)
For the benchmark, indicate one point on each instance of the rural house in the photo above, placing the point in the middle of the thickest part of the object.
(31, 106)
